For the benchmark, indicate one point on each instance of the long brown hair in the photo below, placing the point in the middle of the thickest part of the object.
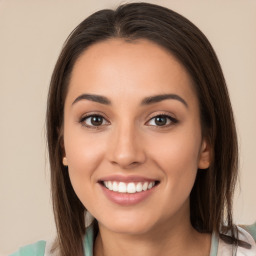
(211, 196)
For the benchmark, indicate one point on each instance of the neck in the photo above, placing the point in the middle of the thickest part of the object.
(173, 238)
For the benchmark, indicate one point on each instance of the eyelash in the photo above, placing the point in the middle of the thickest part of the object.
(172, 121)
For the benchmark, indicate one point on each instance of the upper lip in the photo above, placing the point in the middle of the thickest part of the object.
(130, 178)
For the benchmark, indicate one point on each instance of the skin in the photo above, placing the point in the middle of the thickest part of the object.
(129, 142)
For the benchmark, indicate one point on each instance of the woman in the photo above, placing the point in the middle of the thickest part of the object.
(141, 135)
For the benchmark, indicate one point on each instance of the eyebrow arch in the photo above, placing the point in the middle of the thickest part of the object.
(146, 101)
(161, 97)
(93, 97)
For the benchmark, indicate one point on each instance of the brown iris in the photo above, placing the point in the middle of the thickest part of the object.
(160, 120)
(96, 120)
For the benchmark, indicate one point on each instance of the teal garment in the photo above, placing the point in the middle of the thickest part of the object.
(88, 242)
(214, 245)
(38, 249)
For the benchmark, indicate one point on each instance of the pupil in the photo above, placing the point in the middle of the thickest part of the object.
(160, 120)
(96, 120)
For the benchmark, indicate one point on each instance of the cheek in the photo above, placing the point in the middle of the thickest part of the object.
(84, 154)
(177, 152)
(177, 158)
(83, 149)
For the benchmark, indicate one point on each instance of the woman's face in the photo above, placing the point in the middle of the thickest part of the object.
(131, 121)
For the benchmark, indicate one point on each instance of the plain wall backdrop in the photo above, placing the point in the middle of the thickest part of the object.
(32, 33)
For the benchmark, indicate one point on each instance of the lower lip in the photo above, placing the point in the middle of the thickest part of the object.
(126, 199)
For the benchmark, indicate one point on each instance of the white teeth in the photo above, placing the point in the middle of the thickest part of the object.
(145, 186)
(110, 187)
(121, 187)
(115, 186)
(139, 187)
(131, 187)
(151, 184)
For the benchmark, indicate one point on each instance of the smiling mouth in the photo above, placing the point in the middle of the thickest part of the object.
(129, 188)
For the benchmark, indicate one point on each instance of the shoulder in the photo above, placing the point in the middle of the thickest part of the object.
(36, 249)
(246, 234)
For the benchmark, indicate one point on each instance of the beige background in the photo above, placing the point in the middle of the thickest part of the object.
(31, 35)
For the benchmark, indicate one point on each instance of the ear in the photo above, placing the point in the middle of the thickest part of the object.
(204, 157)
(65, 161)
(64, 158)
(62, 148)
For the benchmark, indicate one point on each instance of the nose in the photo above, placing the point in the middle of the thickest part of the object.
(126, 149)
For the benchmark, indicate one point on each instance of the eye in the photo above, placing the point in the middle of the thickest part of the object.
(93, 121)
(162, 120)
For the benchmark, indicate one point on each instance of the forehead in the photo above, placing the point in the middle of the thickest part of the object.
(137, 67)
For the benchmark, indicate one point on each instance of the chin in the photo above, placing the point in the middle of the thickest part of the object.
(128, 225)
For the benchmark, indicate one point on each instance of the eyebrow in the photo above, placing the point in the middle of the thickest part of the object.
(146, 101)
(93, 97)
(161, 97)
